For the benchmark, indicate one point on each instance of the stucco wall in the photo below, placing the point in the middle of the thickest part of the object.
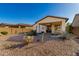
(75, 30)
(14, 30)
(75, 22)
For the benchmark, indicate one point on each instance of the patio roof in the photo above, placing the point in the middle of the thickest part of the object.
(53, 17)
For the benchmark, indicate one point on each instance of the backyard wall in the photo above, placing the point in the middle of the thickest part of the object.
(14, 30)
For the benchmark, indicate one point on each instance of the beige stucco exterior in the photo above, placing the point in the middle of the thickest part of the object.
(75, 25)
(41, 26)
(75, 22)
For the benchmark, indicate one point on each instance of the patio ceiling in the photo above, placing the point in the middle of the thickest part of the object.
(51, 23)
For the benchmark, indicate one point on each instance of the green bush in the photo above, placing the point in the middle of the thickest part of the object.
(4, 33)
(69, 28)
(32, 33)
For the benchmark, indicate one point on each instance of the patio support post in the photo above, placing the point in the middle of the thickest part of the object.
(39, 28)
(63, 26)
(53, 28)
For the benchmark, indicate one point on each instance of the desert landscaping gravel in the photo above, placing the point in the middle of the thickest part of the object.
(48, 48)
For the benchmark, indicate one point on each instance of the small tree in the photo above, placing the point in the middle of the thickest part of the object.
(69, 28)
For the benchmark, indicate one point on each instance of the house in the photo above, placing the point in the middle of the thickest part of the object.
(75, 25)
(15, 28)
(51, 24)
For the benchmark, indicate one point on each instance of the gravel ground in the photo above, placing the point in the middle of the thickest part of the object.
(51, 47)
(48, 48)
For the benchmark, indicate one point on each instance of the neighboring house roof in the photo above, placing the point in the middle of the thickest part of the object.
(75, 22)
(53, 17)
(24, 25)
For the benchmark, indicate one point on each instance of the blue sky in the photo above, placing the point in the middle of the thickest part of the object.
(29, 13)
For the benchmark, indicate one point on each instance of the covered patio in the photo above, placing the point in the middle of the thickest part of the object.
(51, 27)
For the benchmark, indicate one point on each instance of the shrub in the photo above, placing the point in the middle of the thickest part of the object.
(28, 39)
(69, 28)
(32, 33)
(4, 33)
